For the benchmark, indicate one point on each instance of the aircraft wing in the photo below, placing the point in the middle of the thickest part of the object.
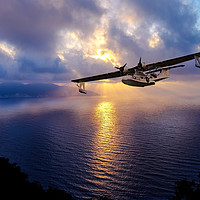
(148, 67)
(170, 62)
(99, 77)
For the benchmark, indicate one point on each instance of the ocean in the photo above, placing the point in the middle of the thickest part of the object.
(97, 146)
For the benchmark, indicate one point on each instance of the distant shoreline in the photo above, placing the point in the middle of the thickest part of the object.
(37, 90)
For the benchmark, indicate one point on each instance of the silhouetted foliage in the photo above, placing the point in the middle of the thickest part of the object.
(187, 190)
(14, 184)
(101, 198)
(54, 193)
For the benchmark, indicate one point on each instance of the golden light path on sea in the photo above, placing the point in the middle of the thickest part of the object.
(105, 142)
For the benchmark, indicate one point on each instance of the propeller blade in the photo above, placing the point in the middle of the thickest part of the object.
(139, 66)
(121, 69)
(124, 65)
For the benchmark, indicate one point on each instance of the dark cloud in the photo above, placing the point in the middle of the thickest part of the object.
(2, 72)
(176, 22)
(80, 66)
(35, 66)
(124, 45)
(34, 24)
(33, 28)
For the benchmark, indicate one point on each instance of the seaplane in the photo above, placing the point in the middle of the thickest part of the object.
(142, 74)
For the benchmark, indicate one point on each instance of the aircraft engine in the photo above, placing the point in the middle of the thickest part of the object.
(143, 65)
(123, 69)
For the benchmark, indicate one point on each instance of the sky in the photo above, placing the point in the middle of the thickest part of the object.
(59, 40)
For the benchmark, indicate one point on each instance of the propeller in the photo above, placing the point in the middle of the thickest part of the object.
(132, 71)
(121, 69)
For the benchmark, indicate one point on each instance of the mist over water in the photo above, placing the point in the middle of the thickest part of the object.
(94, 146)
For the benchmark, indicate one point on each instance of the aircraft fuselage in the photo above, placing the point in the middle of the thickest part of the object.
(140, 79)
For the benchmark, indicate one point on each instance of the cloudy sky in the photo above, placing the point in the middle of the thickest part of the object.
(59, 40)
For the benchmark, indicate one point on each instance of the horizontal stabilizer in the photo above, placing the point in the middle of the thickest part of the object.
(160, 69)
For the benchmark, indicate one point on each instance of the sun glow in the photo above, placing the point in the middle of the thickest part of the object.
(106, 55)
(7, 50)
(60, 55)
(94, 47)
(98, 48)
(155, 41)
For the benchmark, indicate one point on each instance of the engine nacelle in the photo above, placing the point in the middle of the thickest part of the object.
(125, 70)
(144, 65)
(141, 66)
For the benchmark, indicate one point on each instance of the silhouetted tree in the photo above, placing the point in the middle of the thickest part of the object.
(187, 190)
(101, 198)
(54, 193)
(14, 184)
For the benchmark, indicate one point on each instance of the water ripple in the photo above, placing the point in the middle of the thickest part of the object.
(102, 148)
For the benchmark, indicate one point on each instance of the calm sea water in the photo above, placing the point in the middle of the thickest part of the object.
(92, 146)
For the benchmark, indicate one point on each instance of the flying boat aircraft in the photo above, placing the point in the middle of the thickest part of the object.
(143, 74)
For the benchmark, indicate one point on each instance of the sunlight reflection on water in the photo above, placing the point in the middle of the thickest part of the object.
(105, 146)
(106, 120)
(125, 149)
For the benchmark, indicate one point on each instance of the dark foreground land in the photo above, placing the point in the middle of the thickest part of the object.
(15, 184)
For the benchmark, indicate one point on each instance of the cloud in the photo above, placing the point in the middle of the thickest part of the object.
(154, 30)
(27, 66)
(2, 72)
(33, 28)
(174, 22)
(35, 24)
(59, 40)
